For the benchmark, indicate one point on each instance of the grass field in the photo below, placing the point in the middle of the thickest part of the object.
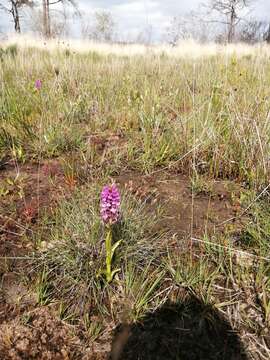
(185, 136)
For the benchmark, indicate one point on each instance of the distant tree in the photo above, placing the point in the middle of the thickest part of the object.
(252, 31)
(13, 7)
(231, 12)
(189, 26)
(102, 29)
(58, 23)
(46, 14)
(145, 36)
(266, 35)
(175, 31)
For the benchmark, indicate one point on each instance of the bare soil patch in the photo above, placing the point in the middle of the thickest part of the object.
(40, 335)
(188, 212)
(26, 191)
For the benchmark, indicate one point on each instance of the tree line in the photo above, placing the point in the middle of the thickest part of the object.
(215, 20)
(223, 21)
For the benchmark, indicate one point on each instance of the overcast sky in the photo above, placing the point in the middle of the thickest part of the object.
(134, 16)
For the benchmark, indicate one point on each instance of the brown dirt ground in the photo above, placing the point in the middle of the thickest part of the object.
(41, 335)
(28, 191)
(188, 214)
(27, 332)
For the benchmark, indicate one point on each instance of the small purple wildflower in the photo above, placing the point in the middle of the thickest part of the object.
(110, 204)
(38, 84)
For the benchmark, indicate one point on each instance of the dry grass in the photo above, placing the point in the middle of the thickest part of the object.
(184, 49)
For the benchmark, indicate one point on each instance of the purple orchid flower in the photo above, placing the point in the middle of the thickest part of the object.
(38, 84)
(110, 204)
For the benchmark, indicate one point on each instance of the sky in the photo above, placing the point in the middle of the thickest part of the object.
(135, 16)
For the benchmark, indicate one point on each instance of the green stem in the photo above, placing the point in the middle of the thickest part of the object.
(108, 243)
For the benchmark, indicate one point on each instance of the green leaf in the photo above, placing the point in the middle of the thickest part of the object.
(115, 246)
